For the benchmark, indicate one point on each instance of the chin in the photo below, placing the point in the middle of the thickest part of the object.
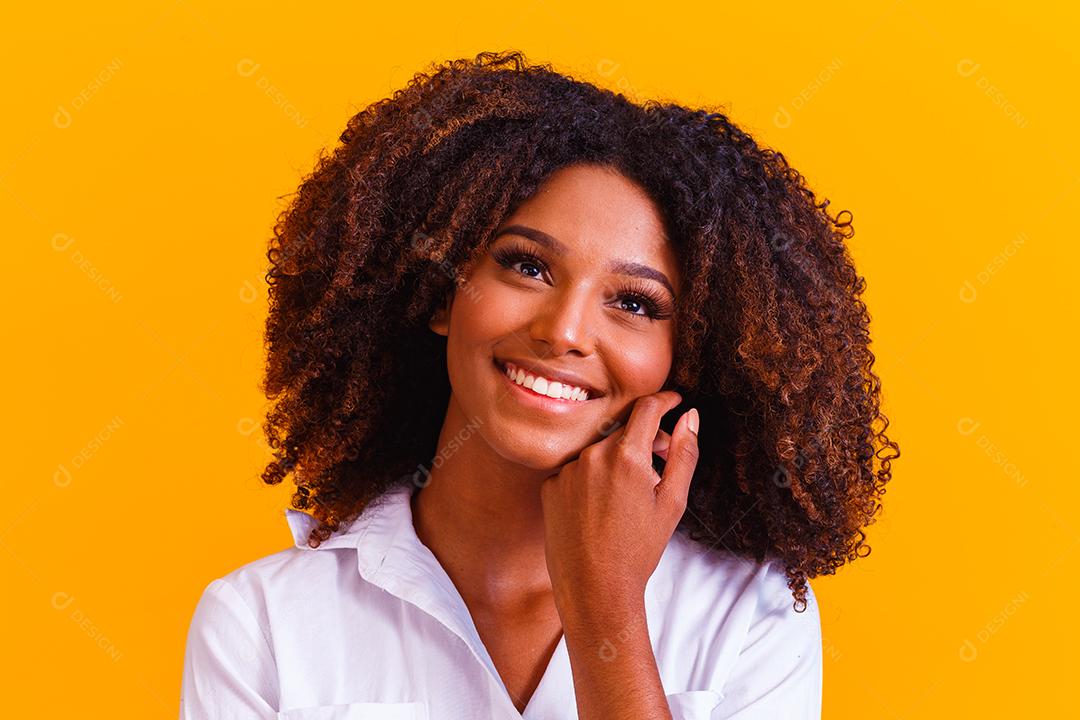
(542, 458)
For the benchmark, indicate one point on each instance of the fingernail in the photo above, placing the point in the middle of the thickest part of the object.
(692, 420)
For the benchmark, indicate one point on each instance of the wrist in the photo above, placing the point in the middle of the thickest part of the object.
(600, 609)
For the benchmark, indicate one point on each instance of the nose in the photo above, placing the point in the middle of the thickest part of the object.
(565, 322)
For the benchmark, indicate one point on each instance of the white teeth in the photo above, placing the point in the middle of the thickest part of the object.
(543, 386)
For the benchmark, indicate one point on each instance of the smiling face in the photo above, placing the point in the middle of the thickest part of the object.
(579, 281)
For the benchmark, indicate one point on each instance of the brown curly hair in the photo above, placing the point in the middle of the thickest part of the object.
(773, 342)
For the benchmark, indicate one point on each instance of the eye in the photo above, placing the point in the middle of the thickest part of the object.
(651, 308)
(509, 258)
(655, 306)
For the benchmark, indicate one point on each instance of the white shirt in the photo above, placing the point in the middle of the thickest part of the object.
(370, 627)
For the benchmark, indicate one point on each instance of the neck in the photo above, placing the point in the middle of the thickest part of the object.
(481, 517)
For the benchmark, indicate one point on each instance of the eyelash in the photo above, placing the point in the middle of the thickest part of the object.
(657, 307)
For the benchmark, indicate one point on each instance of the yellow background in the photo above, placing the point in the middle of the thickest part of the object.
(145, 153)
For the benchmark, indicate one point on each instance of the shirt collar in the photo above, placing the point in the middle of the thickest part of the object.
(371, 532)
(384, 536)
(385, 539)
(391, 556)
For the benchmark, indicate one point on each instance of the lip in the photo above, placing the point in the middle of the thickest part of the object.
(537, 401)
(550, 374)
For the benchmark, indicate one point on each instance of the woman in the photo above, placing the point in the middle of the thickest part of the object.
(577, 394)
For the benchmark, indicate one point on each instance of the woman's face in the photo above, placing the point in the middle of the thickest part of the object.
(594, 303)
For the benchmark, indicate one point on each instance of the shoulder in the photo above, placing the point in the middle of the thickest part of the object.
(698, 574)
(728, 610)
(300, 579)
(234, 637)
(285, 582)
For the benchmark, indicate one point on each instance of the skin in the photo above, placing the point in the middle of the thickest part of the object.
(506, 511)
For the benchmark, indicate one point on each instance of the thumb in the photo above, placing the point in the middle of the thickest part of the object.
(681, 461)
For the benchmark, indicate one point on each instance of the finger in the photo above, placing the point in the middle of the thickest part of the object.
(661, 444)
(645, 419)
(681, 461)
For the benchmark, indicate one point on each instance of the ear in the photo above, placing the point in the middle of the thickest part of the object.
(440, 319)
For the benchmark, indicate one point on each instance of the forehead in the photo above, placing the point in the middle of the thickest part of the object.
(599, 213)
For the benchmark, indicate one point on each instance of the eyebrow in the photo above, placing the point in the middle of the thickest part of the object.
(620, 267)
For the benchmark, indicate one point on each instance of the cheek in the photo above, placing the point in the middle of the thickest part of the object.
(490, 312)
(482, 314)
(493, 309)
(641, 364)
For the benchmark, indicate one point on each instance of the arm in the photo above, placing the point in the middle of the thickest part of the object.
(229, 668)
(612, 662)
(596, 508)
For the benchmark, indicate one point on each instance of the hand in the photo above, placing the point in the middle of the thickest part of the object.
(608, 515)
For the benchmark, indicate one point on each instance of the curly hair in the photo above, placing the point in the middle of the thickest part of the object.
(773, 341)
